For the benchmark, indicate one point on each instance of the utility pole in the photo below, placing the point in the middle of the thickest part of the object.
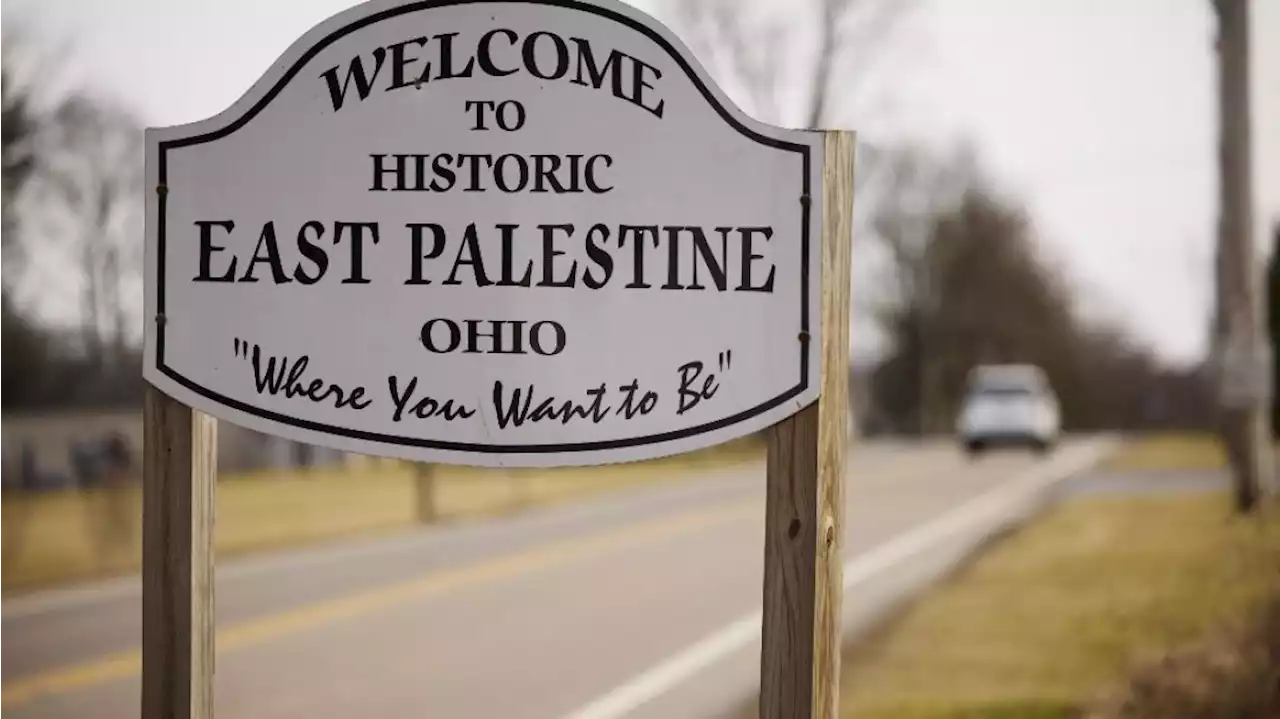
(1241, 352)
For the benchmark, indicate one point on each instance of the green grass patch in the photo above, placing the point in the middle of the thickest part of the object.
(1062, 611)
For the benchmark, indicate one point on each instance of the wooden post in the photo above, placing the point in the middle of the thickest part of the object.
(178, 473)
(424, 483)
(800, 659)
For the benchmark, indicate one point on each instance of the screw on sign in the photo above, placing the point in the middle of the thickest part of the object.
(520, 233)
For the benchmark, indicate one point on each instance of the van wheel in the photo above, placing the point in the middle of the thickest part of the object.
(974, 448)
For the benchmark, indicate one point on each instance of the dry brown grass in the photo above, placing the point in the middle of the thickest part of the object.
(1233, 674)
(1169, 451)
(1061, 611)
(60, 537)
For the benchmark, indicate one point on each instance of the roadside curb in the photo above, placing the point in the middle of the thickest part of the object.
(958, 533)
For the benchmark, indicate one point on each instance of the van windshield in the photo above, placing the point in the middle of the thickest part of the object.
(1002, 391)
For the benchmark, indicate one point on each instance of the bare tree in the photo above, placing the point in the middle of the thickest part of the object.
(738, 47)
(794, 64)
(913, 191)
(827, 47)
(88, 181)
(915, 187)
(22, 74)
(971, 285)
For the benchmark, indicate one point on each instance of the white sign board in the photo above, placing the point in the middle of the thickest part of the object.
(496, 233)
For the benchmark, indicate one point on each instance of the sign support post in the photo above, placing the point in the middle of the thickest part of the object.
(460, 249)
(804, 511)
(424, 487)
(178, 473)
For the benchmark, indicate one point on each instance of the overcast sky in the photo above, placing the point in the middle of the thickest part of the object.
(1100, 113)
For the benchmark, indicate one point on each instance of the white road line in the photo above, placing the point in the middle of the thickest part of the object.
(991, 506)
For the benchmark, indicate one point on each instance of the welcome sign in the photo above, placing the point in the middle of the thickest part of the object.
(493, 233)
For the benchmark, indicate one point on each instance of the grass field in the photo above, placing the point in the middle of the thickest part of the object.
(1059, 613)
(63, 537)
(1192, 451)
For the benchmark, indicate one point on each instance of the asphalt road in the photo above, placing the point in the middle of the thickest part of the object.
(638, 604)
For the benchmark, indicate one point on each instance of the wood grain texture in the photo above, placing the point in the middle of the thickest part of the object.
(179, 470)
(800, 659)
(791, 531)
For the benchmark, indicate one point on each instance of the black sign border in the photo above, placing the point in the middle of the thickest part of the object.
(806, 211)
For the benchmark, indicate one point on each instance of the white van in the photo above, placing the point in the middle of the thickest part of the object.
(1007, 405)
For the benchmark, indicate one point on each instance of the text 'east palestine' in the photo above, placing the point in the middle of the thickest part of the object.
(640, 256)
